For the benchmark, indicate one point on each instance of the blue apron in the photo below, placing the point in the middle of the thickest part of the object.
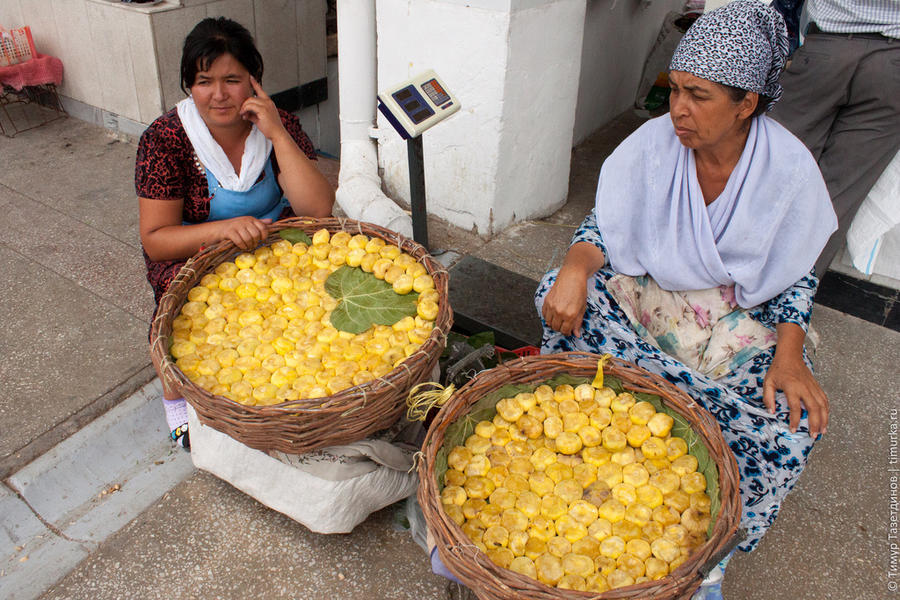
(263, 200)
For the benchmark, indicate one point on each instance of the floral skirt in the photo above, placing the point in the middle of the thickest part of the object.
(769, 457)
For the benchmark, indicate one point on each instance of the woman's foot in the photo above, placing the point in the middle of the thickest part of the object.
(181, 437)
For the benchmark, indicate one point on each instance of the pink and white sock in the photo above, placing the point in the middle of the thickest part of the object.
(176, 413)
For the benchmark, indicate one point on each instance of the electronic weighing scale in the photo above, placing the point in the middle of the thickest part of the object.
(413, 107)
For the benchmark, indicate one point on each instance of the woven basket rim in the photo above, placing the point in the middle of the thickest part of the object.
(346, 403)
(490, 581)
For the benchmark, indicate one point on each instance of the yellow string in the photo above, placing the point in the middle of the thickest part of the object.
(425, 396)
(598, 378)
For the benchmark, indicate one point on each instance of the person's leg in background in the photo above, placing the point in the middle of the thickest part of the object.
(842, 99)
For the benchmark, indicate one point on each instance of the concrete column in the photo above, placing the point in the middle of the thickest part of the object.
(514, 66)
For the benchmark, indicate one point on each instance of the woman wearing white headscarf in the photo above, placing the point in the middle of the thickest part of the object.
(696, 262)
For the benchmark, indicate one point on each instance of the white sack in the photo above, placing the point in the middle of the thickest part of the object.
(369, 476)
(877, 216)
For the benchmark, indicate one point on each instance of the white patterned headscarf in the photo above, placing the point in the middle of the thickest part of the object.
(743, 44)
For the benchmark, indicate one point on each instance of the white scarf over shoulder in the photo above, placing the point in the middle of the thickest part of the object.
(762, 234)
(256, 150)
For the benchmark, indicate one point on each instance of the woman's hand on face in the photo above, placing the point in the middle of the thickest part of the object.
(245, 232)
(261, 111)
(566, 302)
(793, 377)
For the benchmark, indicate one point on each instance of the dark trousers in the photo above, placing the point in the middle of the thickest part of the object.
(842, 99)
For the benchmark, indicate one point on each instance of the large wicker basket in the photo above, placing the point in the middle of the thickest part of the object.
(492, 582)
(303, 425)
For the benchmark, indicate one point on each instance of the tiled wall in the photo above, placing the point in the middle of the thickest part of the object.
(124, 58)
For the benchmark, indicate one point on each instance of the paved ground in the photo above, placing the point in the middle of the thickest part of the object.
(79, 416)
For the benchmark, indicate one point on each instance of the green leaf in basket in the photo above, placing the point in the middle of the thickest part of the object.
(294, 235)
(365, 300)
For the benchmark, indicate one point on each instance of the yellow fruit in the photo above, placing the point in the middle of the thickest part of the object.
(548, 569)
(655, 568)
(516, 483)
(613, 439)
(478, 487)
(367, 262)
(559, 471)
(649, 496)
(683, 465)
(500, 556)
(459, 457)
(553, 507)
(664, 550)
(564, 392)
(676, 448)
(490, 515)
(423, 282)
(498, 475)
(693, 482)
(630, 564)
(529, 504)
(568, 490)
(666, 515)
(665, 481)
(542, 458)
(542, 528)
(677, 500)
(612, 510)
(509, 409)
(637, 435)
(524, 566)
(595, 455)
(478, 445)
(495, 537)
(583, 511)
(568, 443)
(612, 547)
(660, 424)
(574, 420)
(514, 520)
(700, 502)
(622, 402)
(639, 514)
(529, 427)
(585, 474)
(635, 474)
(624, 493)
(641, 413)
(540, 483)
(653, 448)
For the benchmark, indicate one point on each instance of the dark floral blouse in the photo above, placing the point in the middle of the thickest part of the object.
(167, 169)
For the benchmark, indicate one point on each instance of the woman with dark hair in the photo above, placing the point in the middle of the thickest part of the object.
(222, 165)
(697, 260)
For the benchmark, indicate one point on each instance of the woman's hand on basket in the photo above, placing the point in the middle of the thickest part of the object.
(565, 303)
(261, 111)
(790, 374)
(245, 232)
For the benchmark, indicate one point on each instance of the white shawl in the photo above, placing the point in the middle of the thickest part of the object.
(256, 150)
(762, 234)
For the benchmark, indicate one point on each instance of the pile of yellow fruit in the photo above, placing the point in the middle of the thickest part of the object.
(258, 329)
(579, 488)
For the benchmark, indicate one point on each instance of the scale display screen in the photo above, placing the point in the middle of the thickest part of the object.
(417, 104)
(412, 104)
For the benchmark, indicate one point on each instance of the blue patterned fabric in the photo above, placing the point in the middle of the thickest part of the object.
(743, 44)
(769, 457)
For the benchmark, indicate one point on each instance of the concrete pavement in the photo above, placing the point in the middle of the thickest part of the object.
(75, 308)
